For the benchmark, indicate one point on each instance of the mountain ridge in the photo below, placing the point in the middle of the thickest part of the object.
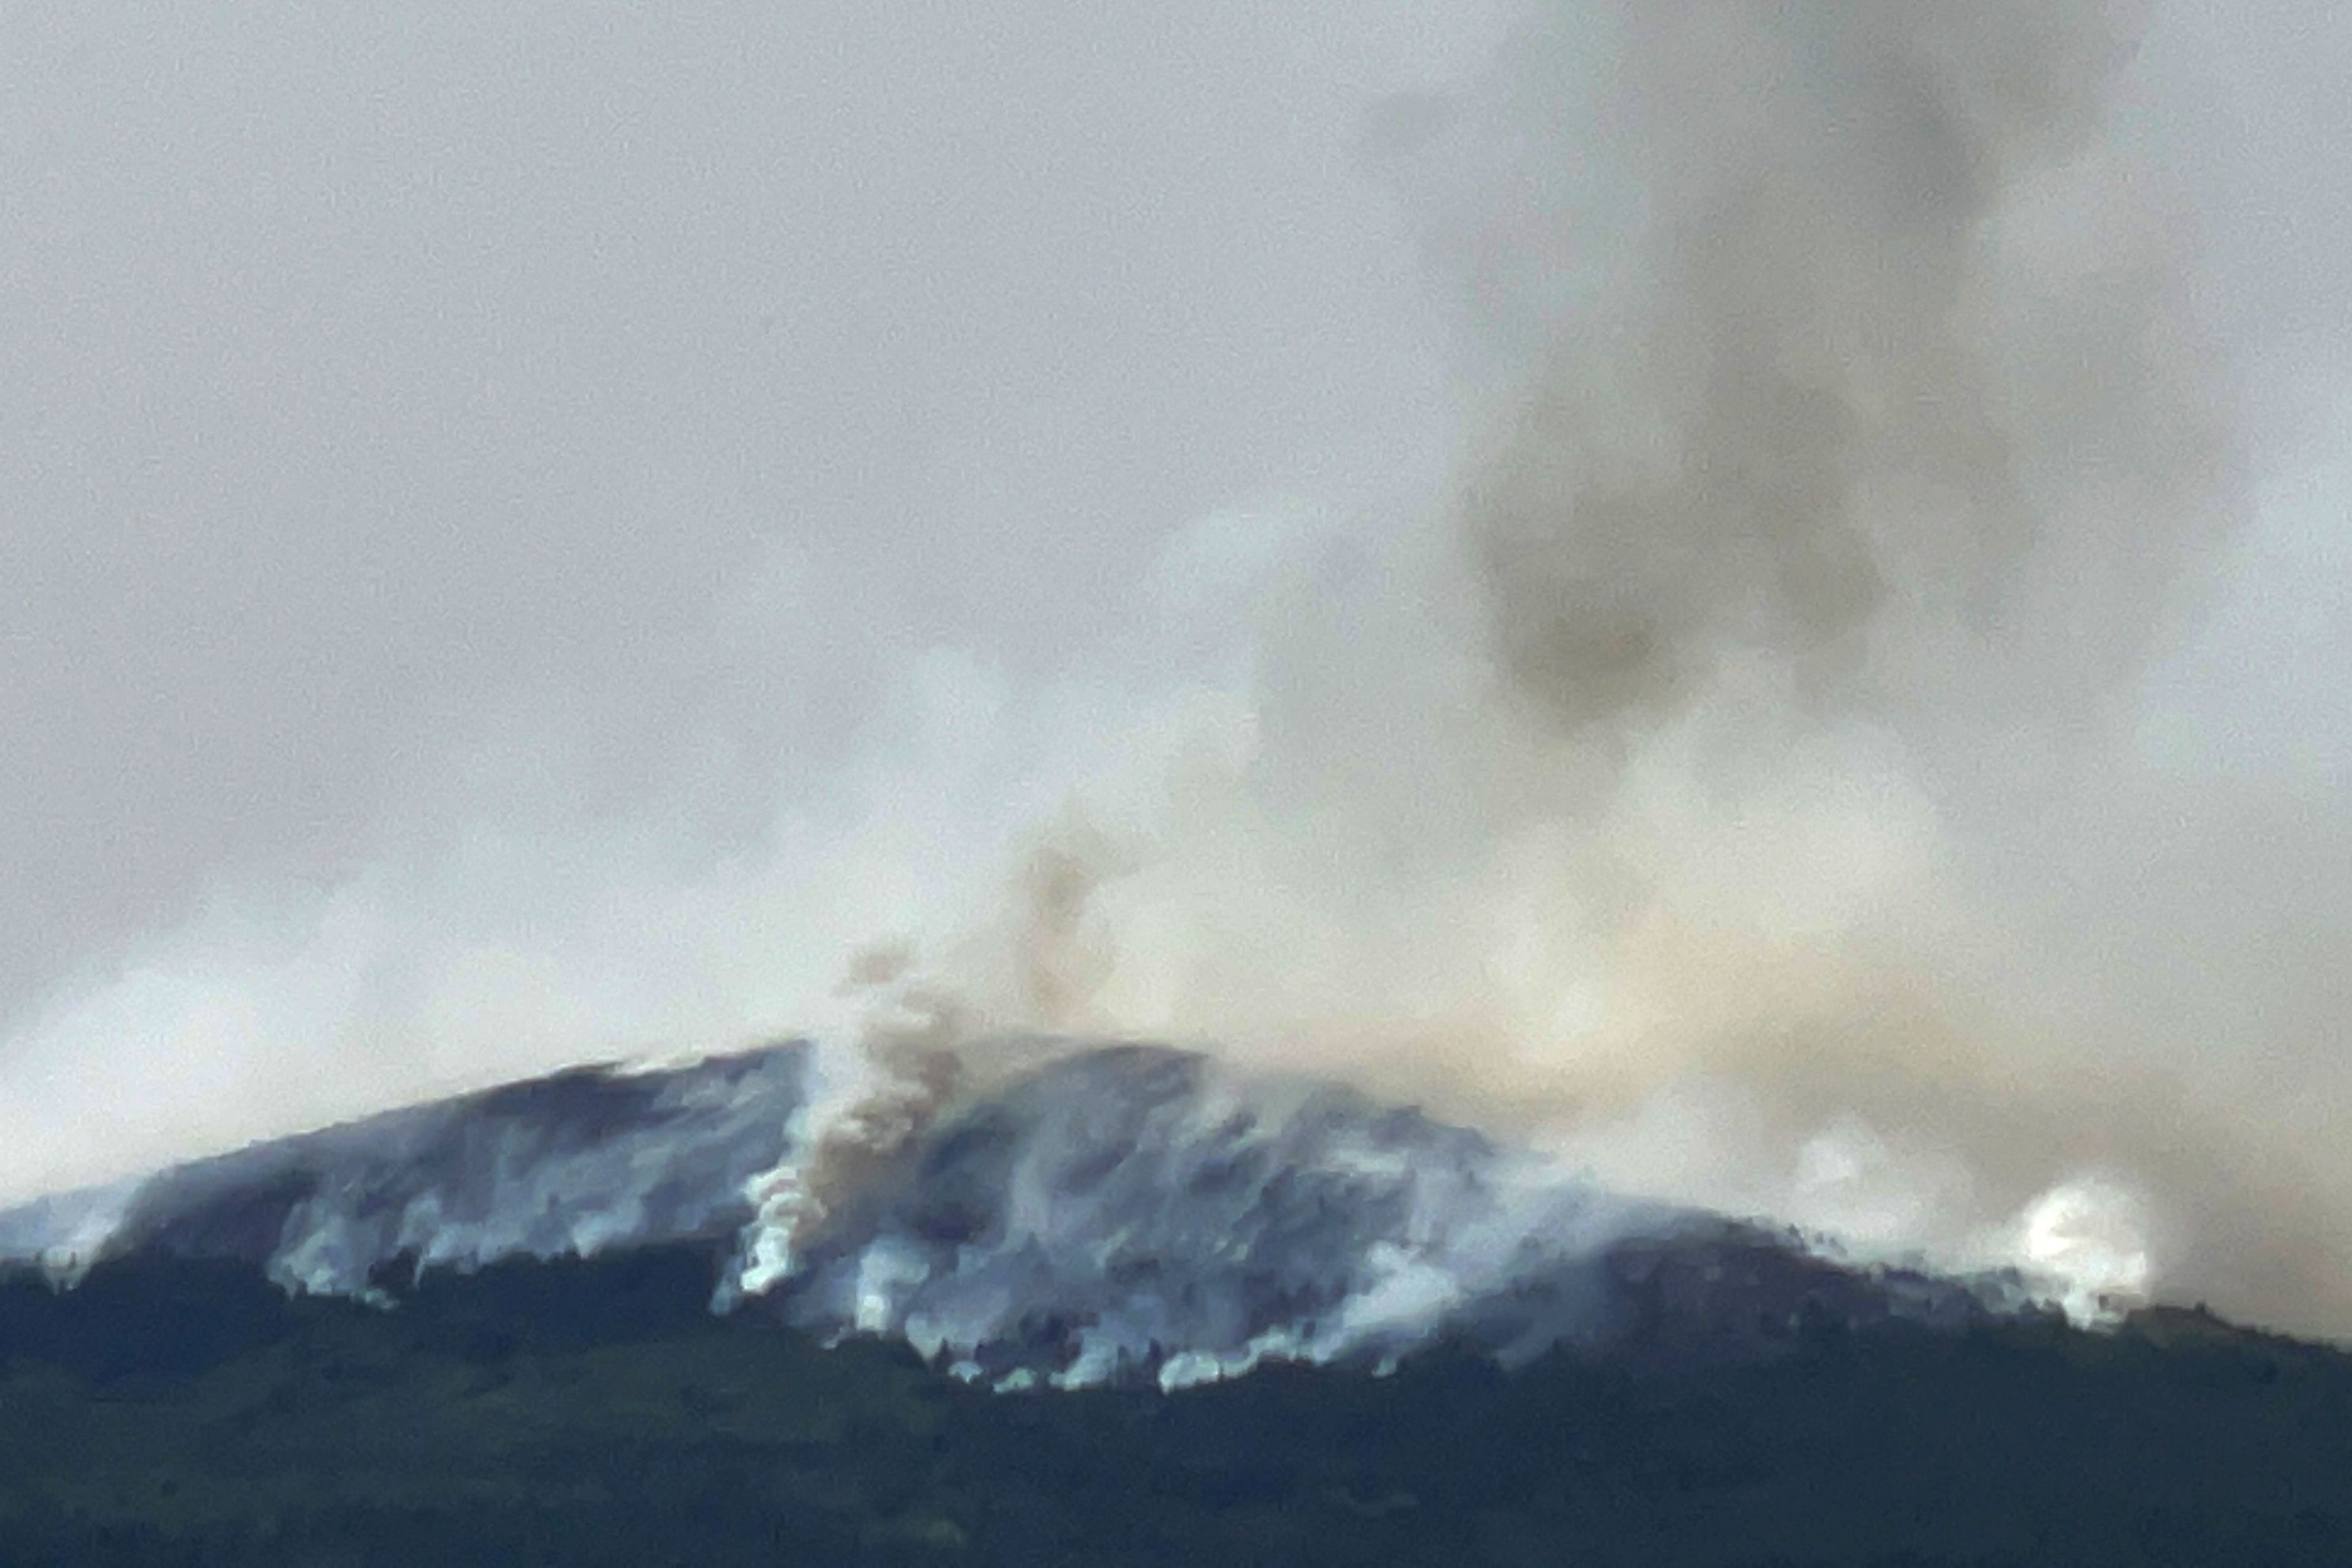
(1119, 1210)
(483, 1331)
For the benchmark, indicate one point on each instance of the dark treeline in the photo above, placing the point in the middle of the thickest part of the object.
(178, 1411)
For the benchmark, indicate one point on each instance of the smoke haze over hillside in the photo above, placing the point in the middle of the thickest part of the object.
(1748, 592)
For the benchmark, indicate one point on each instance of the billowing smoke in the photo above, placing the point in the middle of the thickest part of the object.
(1868, 369)
(1733, 782)
(1752, 770)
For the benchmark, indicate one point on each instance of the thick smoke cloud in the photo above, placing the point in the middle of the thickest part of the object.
(1740, 779)
(1831, 741)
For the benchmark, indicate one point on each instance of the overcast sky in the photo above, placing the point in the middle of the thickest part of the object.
(377, 382)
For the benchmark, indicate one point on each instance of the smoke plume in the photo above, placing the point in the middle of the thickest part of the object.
(1751, 767)
(1707, 787)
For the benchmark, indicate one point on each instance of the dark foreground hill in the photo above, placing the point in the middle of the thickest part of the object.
(185, 1410)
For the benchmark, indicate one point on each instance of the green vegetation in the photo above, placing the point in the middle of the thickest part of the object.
(595, 1412)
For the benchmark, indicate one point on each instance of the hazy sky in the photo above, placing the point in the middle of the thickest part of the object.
(531, 530)
(381, 385)
(558, 423)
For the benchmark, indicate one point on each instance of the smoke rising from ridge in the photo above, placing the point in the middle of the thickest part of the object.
(1736, 774)
(1853, 450)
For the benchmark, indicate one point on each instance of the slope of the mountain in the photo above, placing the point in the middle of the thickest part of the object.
(1117, 1213)
(563, 1166)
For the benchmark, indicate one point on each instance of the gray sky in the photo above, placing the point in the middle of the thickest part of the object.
(377, 382)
